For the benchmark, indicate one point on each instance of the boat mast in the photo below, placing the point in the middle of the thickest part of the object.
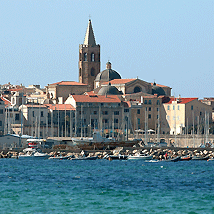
(65, 123)
(81, 120)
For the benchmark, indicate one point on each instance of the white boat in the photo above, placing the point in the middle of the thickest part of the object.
(40, 155)
(32, 153)
(59, 157)
(140, 157)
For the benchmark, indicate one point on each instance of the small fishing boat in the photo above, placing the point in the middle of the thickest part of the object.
(200, 158)
(84, 158)
(59, 157)
(176, 159)
(185, 158)
(117, 157)
(140, 157)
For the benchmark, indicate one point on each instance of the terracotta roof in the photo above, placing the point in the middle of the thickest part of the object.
(162, 86)
(181, 100)
(89, 93)
(35, 106)
(16, 89)
(6, 101)
(60, 107)
(67, 83)
(96, 99)
(118, 81)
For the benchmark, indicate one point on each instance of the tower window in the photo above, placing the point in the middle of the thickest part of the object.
(92, 57)
(85, 56)
(80, 57)
(92, 72)
(80, 72)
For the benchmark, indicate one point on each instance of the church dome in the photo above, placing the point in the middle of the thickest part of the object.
(157, 90)
(109, 90)
(108, 74)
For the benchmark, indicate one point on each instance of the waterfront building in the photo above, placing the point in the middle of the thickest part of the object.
(97, 112)
(58, 92)
(210, 102)
(182, 114)
(2, 116)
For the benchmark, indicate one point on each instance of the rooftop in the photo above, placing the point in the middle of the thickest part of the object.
(60, 107)
(181, 100)
(96, 99)
(68, 83)
(118, 81)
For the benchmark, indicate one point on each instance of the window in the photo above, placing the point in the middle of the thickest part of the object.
(137, 89)
(93, 122)
(138, 121)
(85, 56)
(126, 110)
(105, 120)
(138, 111)
(115, 120)
(178, 118)
(157, 109)
(191, 107)
(105, 112)
(80, 57)
(150, 102)
(150, 108)
(145, 102)
(178, 107)
(42, 114)
(92, 72)
(200, 113)
(168, 107)
(16, 116)
(157, 116)
(95, 112)
(80, 74)
(0, 123)
(116, 113)
(149, 116)
(92, 57)
(158, 102)
(168, 117)
(173, 108)
(33, 113)
(1, 111)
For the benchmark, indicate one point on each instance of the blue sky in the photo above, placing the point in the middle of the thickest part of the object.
(169, 41)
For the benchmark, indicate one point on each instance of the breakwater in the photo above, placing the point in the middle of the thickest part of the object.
(156, 153)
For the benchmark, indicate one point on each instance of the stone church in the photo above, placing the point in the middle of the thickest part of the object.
(110, 81)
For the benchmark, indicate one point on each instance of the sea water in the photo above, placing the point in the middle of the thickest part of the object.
(102, 186)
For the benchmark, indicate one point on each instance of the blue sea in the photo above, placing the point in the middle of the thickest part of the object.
(102, 186)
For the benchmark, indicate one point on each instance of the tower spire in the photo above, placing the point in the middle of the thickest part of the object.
(89, 36)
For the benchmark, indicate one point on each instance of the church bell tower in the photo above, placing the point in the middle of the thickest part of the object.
(89, 58)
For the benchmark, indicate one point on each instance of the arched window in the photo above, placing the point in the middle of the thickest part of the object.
(80, 72)
(137, 89)
(80, 57)
(92, 57)
(85, 56)
(92, 72)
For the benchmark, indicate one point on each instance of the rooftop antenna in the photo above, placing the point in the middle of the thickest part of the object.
(89, 16)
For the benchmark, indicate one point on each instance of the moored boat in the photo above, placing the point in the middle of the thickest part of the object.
(176, 159)
(185, 158)
(140, 157)
(200, 158)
